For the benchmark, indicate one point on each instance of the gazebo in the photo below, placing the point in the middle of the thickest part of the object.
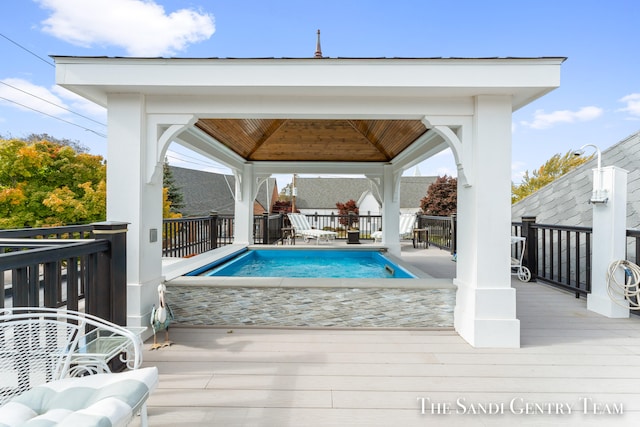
(375, 117)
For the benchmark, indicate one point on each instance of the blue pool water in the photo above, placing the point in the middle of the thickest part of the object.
(308, 264)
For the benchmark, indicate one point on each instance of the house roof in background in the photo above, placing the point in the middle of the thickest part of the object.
(324, 193)
(204, 192)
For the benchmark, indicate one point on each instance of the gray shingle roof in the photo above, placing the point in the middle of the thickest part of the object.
(204, 192)
(324, 193)
(565, 200)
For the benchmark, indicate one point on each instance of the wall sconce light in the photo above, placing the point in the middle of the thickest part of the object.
(599, 194)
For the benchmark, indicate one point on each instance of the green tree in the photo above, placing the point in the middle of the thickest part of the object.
(46, 184)
(553, 168)
(441, 198)
(174, 195)
(167, 212)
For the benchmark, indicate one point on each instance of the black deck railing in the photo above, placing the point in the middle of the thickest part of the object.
(561, 255)
(62, 266)
(184, 237)
(441, 230)
(557, 254)
(341, 224)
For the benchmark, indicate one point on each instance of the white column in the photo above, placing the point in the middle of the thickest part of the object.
(485, 312)
(609, 241)
(391, 211)
(243, 227)
(131, 199)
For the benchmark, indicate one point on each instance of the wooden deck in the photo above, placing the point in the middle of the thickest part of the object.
(301, 377)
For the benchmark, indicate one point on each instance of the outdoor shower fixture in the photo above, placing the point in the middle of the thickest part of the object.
(599, 194)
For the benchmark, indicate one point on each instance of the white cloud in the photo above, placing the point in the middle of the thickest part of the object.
(18, 91)
(542, 120)
(633, 104)
(56, 102)
(141, 27)
(81, 105)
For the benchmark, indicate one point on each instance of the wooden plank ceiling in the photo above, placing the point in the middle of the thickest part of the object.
(314, 140)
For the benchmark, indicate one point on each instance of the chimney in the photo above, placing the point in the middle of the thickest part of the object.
(318, 53)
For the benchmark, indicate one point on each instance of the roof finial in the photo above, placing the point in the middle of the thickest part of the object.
(318, 49)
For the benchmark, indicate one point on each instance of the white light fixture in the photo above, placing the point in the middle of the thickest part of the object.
(599, 194)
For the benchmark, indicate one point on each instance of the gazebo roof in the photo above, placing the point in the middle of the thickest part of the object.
(310, 110)
(314, 140)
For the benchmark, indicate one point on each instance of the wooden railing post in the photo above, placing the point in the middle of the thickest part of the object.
(111, 285)
(530, 258)
(213, 229)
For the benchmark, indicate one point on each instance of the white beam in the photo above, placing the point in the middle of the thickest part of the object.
(347, 168)
(428, 145)
(205, 145)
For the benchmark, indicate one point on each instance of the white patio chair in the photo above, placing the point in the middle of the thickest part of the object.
(302, 228)
(41, 352)
(407, 224)
(517, 269)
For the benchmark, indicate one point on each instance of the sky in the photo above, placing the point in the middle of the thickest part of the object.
(598, 101)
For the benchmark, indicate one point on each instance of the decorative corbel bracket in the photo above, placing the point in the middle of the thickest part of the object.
(160, 137)
(259, 180)
(377, 181)
(455, 144)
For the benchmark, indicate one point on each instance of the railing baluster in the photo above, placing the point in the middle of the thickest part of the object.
(588, 262)
(578, 261)
(72, 283)
(568, 257)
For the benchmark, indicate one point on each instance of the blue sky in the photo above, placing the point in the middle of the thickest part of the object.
(598, 101)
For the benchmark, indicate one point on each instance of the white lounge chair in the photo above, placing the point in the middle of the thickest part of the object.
(407, 224)
(48, 364)
(302, 228)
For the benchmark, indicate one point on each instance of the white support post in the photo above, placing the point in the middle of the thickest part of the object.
(609, 241)
(243, 227)
(485, 312)
(391, 211)
(134, 200)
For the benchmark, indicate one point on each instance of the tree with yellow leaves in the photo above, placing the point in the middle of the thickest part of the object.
(44, 183)
(49, 182)
(553, 168)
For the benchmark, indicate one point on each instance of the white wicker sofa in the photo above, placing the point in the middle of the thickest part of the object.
(41, 352)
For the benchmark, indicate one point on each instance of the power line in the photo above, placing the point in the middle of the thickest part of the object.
(52, 103)
(188, 156)
(196, 163)
(35, 96)
(54, 117)
(25, 49)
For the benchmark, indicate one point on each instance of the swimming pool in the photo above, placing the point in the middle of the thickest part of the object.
(306, 264)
